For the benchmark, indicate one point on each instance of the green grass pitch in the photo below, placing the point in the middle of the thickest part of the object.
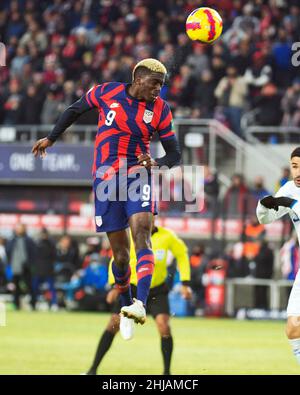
(64, 343)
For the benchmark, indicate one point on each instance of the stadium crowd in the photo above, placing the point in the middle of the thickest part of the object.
(56, 50)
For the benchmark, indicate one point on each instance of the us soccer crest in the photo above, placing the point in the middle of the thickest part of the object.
(148, 115)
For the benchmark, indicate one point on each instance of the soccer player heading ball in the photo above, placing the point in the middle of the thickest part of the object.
(287, 201)
(129, 115)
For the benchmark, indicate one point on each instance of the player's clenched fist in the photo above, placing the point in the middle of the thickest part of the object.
(146, 161)
(40, 147)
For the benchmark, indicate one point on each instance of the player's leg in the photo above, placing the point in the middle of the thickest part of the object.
(140, 225)
(105, 342)
(120, 244)
(164, 329)
(158, 307)
(293, 321)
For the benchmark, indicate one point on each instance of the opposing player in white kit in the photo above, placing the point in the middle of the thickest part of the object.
(287, 201)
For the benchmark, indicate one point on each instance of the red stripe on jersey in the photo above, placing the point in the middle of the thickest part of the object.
(104, 135)
(104, 152)
(166, 121)
(93, 97)
(140, 122)
(121, 120)
(167, 135)
(157, 110)
(112, 93)
(123, 146)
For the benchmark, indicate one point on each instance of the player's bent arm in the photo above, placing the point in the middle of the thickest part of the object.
(173, 155)
(267, 216)
(68, 117)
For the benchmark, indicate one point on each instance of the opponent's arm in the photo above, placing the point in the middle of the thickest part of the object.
(180, 252)
(270, 208)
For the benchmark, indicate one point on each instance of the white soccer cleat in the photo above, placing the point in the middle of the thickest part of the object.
(126, 327)
(135, 311)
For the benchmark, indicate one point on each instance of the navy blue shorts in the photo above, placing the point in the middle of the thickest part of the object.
(117, 199)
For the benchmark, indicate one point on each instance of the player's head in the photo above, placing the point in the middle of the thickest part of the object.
(148, 77)
(295, 166)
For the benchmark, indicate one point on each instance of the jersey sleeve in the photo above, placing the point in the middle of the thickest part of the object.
(266, 215)
(86, 103)
(93, 95)
(165, 127)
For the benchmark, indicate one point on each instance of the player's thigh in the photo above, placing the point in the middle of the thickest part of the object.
(293, 310)
(140, 205)
(110, 213)
(158, 304)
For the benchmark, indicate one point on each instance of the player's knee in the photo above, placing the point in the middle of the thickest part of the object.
(114, 324)
(121, 258)
(293, 328)
(142, 239)
(165, 331)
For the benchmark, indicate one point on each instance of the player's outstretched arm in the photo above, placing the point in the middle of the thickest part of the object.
(67, 118)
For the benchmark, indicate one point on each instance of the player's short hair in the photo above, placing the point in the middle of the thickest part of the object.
(296, 152)
(147, 66)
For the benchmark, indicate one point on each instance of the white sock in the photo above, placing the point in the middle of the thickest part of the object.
(295, 343)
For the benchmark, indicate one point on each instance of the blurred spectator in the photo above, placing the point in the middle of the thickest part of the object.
(258, 73)
(291, 105)
(205, 101)
(21, 255)
(198, 261)
(44, 268)
(51, 107)
(284, 178)
(12, 103)
(264, 265)
(31, 101)
(67, 258)
(231, 93)
(235, 199)
(211, 191)
(265, 103)
(254, 234)
(259, 190)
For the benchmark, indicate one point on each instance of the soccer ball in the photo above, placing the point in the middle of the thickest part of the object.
(204, 24)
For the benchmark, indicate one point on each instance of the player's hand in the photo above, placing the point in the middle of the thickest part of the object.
(112, 296)
(186, 292)
(40, 147)
(274, 203)
(146, 161)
